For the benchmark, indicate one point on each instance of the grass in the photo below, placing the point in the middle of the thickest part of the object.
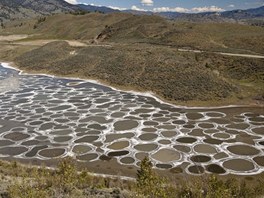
(65, 181)
(68, 181)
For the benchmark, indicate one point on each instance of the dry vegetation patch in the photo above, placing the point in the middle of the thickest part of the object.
(167, 72)
(67, 181)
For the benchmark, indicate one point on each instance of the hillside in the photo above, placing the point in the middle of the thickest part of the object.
(69, 180)
(19, 9)
(158, 70)
(155, 30)
(76, 27)
(29, 9)
(203, 36)
(174, 76)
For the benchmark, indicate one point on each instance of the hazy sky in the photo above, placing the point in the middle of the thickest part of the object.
(176, 5)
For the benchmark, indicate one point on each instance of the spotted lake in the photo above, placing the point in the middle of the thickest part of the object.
(44, 118)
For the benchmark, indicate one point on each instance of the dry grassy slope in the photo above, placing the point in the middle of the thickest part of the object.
(137, 28)
(238, 68)
(64, 26)
(120, 27)
(128, 28)
(171, 74)
(77, 27)
(247, 73)
(233, 36)
(204, 36)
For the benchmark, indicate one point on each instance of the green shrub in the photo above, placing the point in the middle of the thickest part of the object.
(148, 182)
(26, 189)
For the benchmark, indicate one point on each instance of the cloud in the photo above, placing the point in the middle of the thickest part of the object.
(231, 6)
(112, 7)
(186, 10)
(72, 1)
(147, 2)
(137, 9)
(167, 9)
(117, 8)
(208, 9)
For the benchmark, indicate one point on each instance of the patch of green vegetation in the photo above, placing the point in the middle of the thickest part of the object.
(65, 181)
(68, 181)
(149, 183)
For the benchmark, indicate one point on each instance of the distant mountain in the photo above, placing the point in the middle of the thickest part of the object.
(244, 14)
(137, 12)
(17, 9)
(171, 15)
(91, 8)
(227, 16)
(196, 17)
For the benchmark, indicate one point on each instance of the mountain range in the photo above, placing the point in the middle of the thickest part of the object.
(91, 8)
(236, 15)
(19, 9)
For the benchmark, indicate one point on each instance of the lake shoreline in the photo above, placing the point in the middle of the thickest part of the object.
(185, 105)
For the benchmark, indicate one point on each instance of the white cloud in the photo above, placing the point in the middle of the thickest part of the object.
(208, 9)
(147, 2)
(72, 1)
(117, 8)
(185, 10)
(112, 7)
(231, 6)
(137, 9)
(167, 9)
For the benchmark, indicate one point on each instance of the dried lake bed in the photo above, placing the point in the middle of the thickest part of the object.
(44, 117)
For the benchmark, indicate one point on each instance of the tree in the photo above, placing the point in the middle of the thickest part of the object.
(148, 182)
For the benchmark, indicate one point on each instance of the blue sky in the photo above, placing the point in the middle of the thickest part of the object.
(175, 5)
